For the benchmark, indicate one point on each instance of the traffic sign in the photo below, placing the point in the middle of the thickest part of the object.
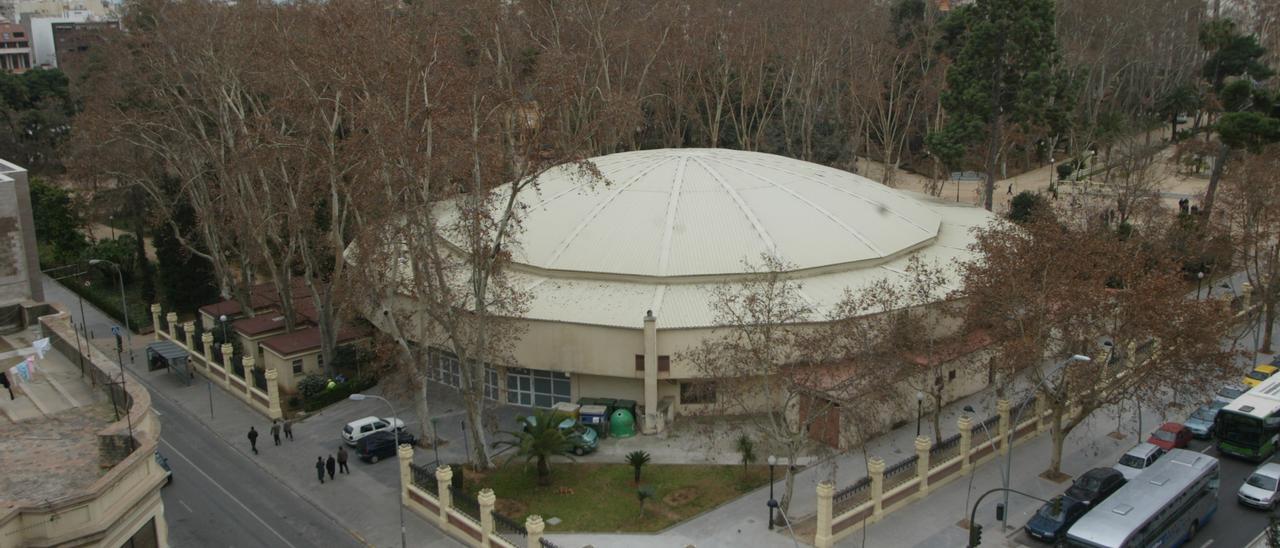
(115, 330)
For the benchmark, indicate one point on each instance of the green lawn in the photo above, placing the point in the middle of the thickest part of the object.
(601, 497)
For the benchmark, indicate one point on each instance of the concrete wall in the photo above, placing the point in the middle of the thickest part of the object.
(19, 258)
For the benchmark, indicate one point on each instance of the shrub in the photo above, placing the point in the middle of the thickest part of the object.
(327, 396)
(1027, 205)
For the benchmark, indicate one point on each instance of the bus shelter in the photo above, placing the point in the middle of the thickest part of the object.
(168, 355)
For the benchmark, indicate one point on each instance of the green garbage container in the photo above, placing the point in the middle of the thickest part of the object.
(629, 405)
(622, 424)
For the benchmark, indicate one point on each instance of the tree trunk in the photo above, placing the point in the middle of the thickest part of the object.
(790, 486)
(1059, 437)
(544, 471)
(993, 156)
(1224, 153)
(422, 409)
(937, 419)
(1269, 320)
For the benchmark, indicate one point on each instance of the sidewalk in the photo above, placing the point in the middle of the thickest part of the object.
(363, 502)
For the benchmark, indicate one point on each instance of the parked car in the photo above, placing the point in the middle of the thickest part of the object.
(381, 445)
(1053, 519)
(1260, 373)
(1097, 484)
(1200, 423)
(584, 439)
(1137, 459)
(1259, 490)
(1170, 436)
(359, 428)
(1229, 393)
(163, 461)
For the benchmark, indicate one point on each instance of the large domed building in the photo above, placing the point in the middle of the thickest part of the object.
(622, 272)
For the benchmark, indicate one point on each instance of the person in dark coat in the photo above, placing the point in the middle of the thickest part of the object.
(288, 428)
(253, 440)
(275, 430)
(330, 465)
(342, 460)
(4, 380)
(320, 469)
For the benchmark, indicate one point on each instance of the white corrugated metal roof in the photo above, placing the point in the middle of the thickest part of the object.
(698, 212)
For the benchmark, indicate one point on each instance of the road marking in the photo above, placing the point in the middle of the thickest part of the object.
(184, 505)
(1206, 544)
(1206, 449)
(228, 494)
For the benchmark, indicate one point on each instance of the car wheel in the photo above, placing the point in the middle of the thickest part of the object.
(578, 451)
(373, 459)
(1191, 531)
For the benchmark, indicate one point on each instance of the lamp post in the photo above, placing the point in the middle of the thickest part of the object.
(395, 429)
(772, 502)
(919, 410)
(1013, 428)
(124, 304)
(83, 325)
(1199, 279)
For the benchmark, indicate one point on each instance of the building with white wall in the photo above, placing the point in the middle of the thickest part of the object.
(623, 275)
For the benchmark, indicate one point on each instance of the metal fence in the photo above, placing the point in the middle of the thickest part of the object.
(465, 503)
(546, 543)
(509, 529)
(851, 496)
(424, 477)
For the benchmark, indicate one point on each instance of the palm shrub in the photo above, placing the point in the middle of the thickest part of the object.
(644, 493)
(538, 441)
(637, 460)
(747, 449)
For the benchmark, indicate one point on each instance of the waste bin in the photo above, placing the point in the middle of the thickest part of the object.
(629, 405)
(622, 424)
(567, 409)
(608, 403)
(588, 401)
(595, 417)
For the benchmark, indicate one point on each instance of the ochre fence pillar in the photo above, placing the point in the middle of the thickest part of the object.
(822, 537)
(923, 444)
(248, 363)
(405, 452)
(172, 319)
(155, 320)
(876, 467)
(207, 339)
(273, 394)
(533, 527)
(188, 333)
(487, 500)
(444, 475)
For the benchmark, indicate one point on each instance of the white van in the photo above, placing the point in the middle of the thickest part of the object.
(359, 428)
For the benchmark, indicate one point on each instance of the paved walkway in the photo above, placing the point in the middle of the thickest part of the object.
(363, 502)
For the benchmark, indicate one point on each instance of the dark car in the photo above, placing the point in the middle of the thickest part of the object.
(1095, 485)
(1053, 519)
(380, 445)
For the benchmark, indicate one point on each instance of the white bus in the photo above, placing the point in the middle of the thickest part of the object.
(1163, 506)
(1247, 427)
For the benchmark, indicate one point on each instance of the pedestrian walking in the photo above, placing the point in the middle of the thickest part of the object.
(253, 440)
(329, 465)
(320, 469)
(4, 379)
(275, 430)
(288, 428)
(342, 460)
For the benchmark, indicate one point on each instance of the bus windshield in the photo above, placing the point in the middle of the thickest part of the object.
(1240, 429)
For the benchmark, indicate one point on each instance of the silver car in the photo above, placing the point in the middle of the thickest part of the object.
(1137, 459)
(1229, 393)
(1259, 491)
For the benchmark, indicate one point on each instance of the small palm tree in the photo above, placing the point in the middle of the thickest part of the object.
(637, 460)
(747, 449)
(538, 441)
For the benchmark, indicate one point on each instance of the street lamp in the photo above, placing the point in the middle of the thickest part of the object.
(919, 410)
(223, 320)
(772, 502)
(395, 430)
(124, 305)
(1004, 479)
(83, 323)
(1199, 279)
(1013, 428)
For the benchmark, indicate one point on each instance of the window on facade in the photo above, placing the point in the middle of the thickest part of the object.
(698, 392)
(664, 363)
(320, 361)
(146, 537)
(297, 366)
(537, 388)
(491, 383)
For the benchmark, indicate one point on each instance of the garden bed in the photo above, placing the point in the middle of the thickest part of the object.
(602, 497)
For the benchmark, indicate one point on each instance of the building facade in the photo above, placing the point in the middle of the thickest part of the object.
(19, 261)
(15, 48)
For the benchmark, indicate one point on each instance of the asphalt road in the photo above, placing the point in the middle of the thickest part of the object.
(217, 498)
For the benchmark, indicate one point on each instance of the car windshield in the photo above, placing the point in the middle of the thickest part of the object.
(1257, 375)
(1163, 435)
(1088, 483)
(347, 428)
(1205, 414)
(1230, 392)
(1262, 482)
(1047, 512)
(1132, 461)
